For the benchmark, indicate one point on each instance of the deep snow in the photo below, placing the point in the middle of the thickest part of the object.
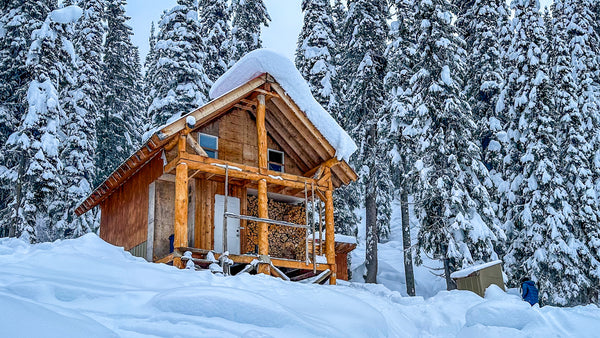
(88, 288)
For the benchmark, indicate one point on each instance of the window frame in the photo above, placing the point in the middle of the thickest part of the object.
(207, 149)
(269, 162)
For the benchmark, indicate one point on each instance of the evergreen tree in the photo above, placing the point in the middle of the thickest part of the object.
(486, 21)
(83, 99)
(36, 142)
(401, 57)
(365, 32)
(179, 80)
(450, 199)
(247, 18)
(581, 124)
(18, 19)
(214, 27)
(315, 54)
(120, 125)
(315, 51)
(542, 244)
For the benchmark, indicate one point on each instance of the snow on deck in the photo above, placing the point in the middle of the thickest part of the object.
(466, 272)
(339, 238)
(283, 70)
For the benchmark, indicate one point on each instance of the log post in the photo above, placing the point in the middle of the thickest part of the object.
(181, 203)
(330, 230)
(263, 211)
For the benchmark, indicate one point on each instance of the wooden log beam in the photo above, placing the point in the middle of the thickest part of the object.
(181, 209)
(266, 92)
(240, 171)
(330, 230)
(195, 146)
(263, 211)
(327, 164)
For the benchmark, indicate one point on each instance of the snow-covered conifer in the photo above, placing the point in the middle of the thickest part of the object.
(542, 244)
(82, 109)
(214, 28)
(316, 50)
(37, 140)
(247, 17)
(451, 200)
(179, 81)
(365, 32)
(120, 124)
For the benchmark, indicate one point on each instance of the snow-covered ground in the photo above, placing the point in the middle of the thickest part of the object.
(88, 288)
(390, 270)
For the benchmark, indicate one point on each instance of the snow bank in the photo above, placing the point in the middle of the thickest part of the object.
(88, 288)
(283, 70)
(466, 272)
(67, 14)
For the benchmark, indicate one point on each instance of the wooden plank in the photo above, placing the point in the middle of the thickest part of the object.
(303, 124)
(181, 208)
(151, 205)
(166, 259)
(214, 107)
(198, 214)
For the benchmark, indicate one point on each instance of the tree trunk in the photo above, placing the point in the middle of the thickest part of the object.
(408, 264)
(371, 241)
(450, 285)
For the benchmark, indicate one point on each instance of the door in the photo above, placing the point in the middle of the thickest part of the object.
(233, 224)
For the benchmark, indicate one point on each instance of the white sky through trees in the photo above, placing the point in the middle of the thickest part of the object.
(281, 35)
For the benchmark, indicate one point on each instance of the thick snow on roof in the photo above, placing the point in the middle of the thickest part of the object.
(466, 272)
(283, 70)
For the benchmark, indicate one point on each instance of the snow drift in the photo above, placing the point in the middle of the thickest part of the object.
(86, 287)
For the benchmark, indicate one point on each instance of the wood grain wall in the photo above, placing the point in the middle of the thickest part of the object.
(124, 217)
(238, 140)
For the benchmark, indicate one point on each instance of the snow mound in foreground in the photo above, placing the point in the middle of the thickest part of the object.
(88, 288)
(283, 70)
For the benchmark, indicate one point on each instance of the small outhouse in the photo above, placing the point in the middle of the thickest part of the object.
(479, 277)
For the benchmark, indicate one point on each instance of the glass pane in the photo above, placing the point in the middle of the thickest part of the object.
(211, 154)
(275, 167)
(208, 141)
(275, 156)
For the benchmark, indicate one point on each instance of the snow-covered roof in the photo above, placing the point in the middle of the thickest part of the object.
(466, 272)
(262, 61)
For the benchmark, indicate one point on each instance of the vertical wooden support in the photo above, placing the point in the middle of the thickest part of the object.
(263, 211)
(151, 207)
(181, 203)
(330, 230)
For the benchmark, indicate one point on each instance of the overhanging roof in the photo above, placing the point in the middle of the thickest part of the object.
(286, 124)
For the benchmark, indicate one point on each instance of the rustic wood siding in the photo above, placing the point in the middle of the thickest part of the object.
(238, 140)
(124, 220)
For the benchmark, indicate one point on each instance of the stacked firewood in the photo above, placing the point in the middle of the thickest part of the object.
(284, 242)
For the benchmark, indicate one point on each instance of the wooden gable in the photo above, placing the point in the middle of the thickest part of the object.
(288, 128)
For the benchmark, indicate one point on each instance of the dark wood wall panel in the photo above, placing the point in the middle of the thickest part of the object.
(124, 220)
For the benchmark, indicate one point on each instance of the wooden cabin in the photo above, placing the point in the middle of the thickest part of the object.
(250, 159)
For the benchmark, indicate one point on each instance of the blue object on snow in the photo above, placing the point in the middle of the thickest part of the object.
(530, 292)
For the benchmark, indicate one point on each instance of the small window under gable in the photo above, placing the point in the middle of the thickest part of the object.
(210, 144)
(276, 159)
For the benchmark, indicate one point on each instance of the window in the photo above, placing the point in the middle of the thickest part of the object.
(210, 144)
(275, 160)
